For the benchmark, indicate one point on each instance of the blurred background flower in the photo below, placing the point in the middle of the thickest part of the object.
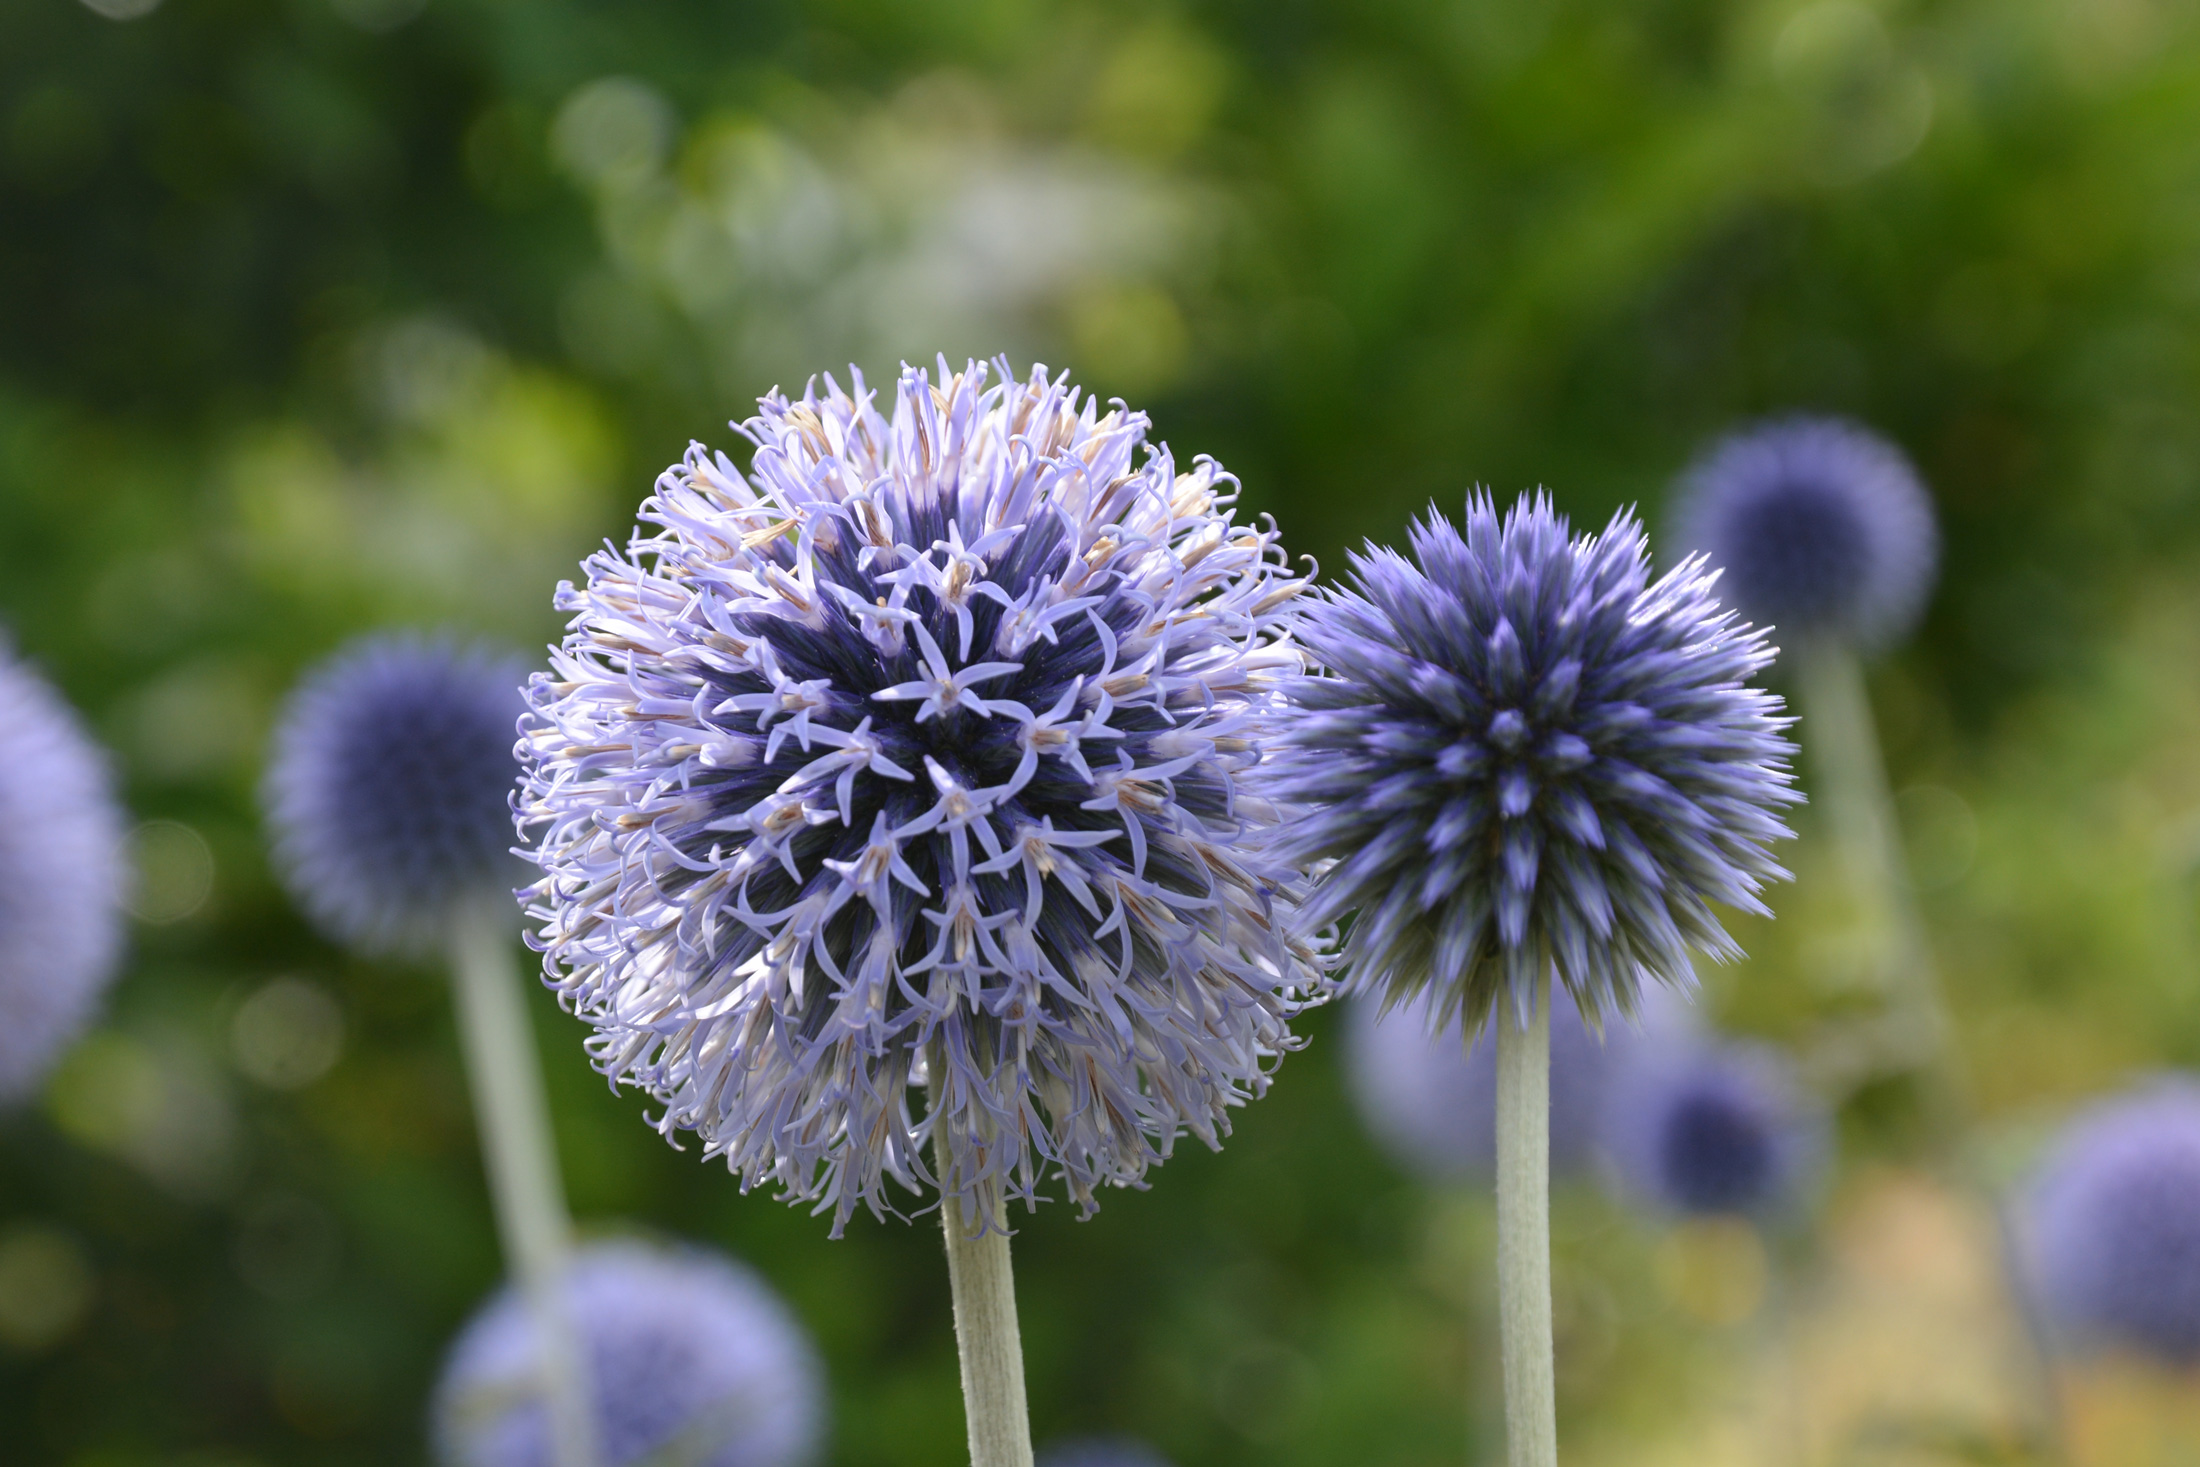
(691, 1359)
(389, 788)
(1819, 528)
(1696, 1128)
(1430, 1099)
(61, 878)
(330, 315)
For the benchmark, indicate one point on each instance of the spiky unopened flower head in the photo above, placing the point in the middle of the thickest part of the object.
(916, 757)
(1526, 757)
(1100, 1451)
(2111, 1224)
(61, 878)
(1821, 527)
(1431, 1099)
(1699, 1127)
(691, 1358)
(389, 789)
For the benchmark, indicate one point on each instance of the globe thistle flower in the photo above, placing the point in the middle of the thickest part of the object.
(1821, 526)
(389, 790)
(61, 877)
(692, 1359)
(918, 756)
(1430, 1098)
(1101, 1451)
(1527, 757)
(2110, 1224)
(1701, 1127)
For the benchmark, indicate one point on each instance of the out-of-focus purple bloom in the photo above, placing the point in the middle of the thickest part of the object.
(1525, 757)
(2110, 1225)
(1431, 1100)
(1821, 527)
(1697, 1127)
(1100, 1451)
(390, 786)
(916, 758)
(691, 1358)
(61, 877)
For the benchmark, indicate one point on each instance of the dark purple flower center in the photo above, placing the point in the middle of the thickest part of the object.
(2149, 1250)
(1716, 1154)
(969, 736)
(1808, 553)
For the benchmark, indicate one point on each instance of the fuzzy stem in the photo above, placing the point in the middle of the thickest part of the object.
(2040, 1363)
(1524, 1232)
(984, 1287)
(513, 1116)
(1843, 744)
(1851, 785)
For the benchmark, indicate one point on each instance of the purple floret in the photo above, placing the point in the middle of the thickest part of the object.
(1701, 1127)
(1431, 1100)
(61, 877)
(2111, 1224)
(1821, 527)
(389, 789)
(1524, 757)
(691, 1358)
(1100, 1451)
(913, 764)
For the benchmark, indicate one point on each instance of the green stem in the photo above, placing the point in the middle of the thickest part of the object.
(513, 1115)
(1524, 1232)
(1849, 777)
(1849, 783)
(983, 1283)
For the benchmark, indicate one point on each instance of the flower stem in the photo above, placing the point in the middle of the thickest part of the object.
(514, 1119)
(1524, 1232)
(1851, 775)
(984, 1286)
(1851, 785)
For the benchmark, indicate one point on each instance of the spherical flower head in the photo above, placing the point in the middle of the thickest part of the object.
(2111, 1225)
(1430, 1098)
(691, 1358)
(1821, 526)
(916, 759)
(61, 877)
(1100, 1451)
(1697, 1127)
(389, 788)
(1525, 757)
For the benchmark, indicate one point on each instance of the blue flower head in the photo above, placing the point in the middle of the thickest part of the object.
(1430, 1098)
(1820, 525)
(61, 878)
(913, 764)
(1525, 757)
(1698, 1127)
(389, 789)
(691, 1358)
(1100, 1451)
(2111, 1224)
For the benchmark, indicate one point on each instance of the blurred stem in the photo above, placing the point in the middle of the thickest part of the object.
(983, 1282)
(1849, 782)
(2054, 1421)
(513, 1116)
(1524, 1232)
(1849, 777)
(1786, 1439)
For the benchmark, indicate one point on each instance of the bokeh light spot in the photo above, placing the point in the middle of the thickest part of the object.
(46, 1287)
(287, 1035)
(175, 872)
(1713, 1269)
